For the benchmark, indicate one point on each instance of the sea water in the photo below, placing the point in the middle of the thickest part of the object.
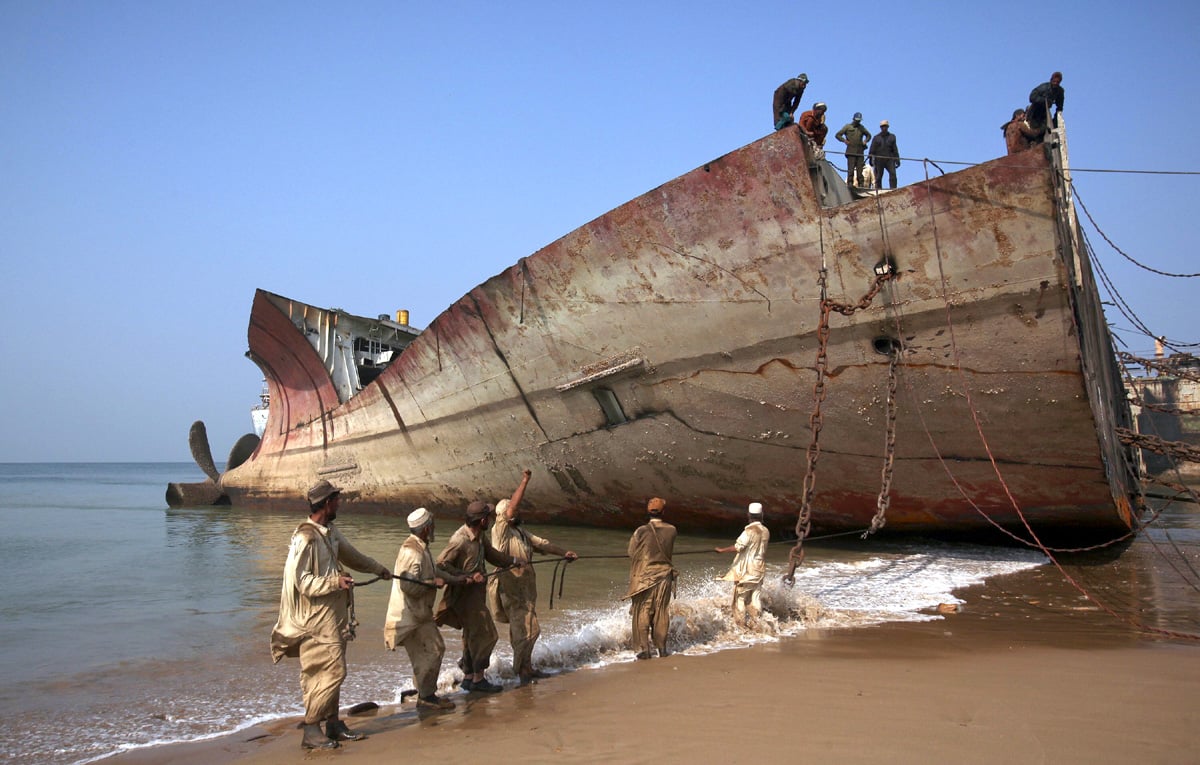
(128, 624)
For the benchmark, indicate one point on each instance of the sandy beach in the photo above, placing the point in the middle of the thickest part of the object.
(1042, 682)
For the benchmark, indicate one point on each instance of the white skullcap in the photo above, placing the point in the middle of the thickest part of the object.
(501, 506)
(419, 517)
(756, 508)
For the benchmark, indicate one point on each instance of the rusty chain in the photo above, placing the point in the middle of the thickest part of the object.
(1180, 450)
(1180, 365)
(804, 519)
(889, 450)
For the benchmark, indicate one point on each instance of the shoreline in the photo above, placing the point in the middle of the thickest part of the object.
(1012, 677)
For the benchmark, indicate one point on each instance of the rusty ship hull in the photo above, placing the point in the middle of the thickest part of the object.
(670, 348)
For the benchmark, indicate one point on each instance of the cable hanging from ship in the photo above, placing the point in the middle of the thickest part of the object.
(884, 272)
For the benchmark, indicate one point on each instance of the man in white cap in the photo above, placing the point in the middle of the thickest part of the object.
(316, 616)
(749, 566)
(409, 620)
(516, 589)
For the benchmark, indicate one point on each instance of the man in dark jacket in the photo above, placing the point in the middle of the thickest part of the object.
(1040, 100)
(855, 136)
(884, 155)
(787, 100)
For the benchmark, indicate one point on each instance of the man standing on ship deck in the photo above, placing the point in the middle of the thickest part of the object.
(749, 566)
(516, 590)
(884, 155)
(316, 615)
(855, 135)
(464, 606)
(409, 619)
(651, 580)
(787, 100)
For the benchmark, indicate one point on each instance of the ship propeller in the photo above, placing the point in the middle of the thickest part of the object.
(208, 492)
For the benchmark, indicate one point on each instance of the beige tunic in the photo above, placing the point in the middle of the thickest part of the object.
(410, 604)
(521, 583)
(311, 607)
(409, 620)
(750, 563)
(650, 551)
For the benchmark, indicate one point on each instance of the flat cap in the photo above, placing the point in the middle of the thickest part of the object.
(478, 510)
(321, 491)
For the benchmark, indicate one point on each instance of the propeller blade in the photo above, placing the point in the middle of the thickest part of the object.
(241, 451)
(198, 440)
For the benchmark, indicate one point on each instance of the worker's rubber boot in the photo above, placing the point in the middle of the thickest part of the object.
(314, 738)
(338, 731)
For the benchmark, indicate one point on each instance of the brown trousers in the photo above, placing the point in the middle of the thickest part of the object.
(523, 632)
(651, 610)
(425, 648)
(479, 630)
(322, 671)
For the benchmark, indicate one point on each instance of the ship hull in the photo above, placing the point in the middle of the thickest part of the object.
(670, 348)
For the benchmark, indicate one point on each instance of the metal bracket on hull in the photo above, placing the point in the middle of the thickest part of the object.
(607, 371)
(342, 467)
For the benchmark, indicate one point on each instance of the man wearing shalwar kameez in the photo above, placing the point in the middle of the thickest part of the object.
(651, 581)
(316, 616)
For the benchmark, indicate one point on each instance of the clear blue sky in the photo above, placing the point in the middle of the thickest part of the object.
(161, 160)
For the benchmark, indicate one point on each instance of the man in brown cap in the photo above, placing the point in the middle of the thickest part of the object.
(516, 590)
(464, 606)
(651, 580)
(316, 614)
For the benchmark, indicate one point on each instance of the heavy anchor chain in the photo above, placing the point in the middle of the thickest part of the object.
(804, 519)
(1178, 450)
(889, 450)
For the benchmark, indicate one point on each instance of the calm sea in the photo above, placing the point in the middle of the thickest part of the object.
(128, 624)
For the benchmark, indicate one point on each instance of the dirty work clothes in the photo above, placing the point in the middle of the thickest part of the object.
(813, 125)
(322, 672)
(787, 100)
(315, 616)
(884, 155)
(467, 603)
(1018, 136)
(1041, 99)
(748, 569)
(651, 582)
(409, 620)
(517, 590)
(855, 136)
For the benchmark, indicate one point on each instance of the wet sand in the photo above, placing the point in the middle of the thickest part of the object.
(1027, 671)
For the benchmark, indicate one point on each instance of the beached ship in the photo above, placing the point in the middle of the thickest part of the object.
(718, 339)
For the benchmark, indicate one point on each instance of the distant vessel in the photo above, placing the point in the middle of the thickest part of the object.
(259, 414)
(721, 337)
(1167, 413)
